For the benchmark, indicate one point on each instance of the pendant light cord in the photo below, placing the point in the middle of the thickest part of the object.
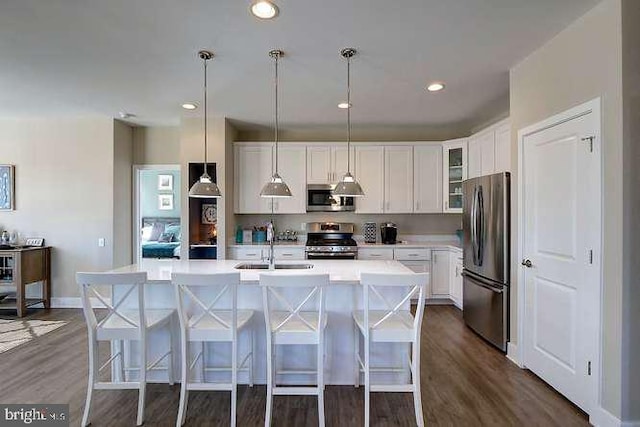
(348, 114)
(276, 106)
(205, 116)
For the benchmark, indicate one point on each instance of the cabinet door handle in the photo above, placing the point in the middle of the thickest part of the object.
(375, 255)
(287, 254)
(413, 255)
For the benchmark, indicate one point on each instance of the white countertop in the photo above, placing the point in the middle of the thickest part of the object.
(340, 272)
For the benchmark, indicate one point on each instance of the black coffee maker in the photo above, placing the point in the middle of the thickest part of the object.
(388, 233)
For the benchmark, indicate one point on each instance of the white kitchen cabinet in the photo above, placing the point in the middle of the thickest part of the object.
(375, 253)
(455, 278)
(490, 150)
(411, 254)
(398, 179)
(252, 169)
(454, 170)
(503, 148)
(440, 274)
(427, 178)
(288, 253)
(292, 169)
(252, 253)
(369, 172)
(326, 163)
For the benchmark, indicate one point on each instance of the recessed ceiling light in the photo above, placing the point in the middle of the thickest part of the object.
(189, 106)
(344, 105)
(435, 87)
(264, 9)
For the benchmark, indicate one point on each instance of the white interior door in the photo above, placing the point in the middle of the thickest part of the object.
(561, 232)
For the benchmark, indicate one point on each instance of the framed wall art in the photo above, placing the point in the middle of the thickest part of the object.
(7, 187)
(165, 182)
(165, 202)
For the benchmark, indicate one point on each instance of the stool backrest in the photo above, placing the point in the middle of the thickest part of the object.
(132, 297)
(294, 294)
(200, 295)
(377, 287)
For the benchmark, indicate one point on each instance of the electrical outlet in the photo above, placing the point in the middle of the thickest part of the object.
(101, 242)
(303, 226)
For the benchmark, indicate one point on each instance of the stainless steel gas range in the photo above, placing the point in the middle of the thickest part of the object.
(330, 240)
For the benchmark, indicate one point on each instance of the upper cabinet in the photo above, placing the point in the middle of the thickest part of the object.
(252, 168)
(490, 150)
(326, 163)
(427, 178)
(369, 172)
(292, 168)
(398, 179)
(454, 169)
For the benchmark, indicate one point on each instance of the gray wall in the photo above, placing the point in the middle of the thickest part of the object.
(149, 194)
(581, 63)
(437, 224)
(631, 135)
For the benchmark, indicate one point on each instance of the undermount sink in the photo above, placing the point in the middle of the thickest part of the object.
(251, 266)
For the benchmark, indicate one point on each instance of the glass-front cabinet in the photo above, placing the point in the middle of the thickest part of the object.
(454, 168)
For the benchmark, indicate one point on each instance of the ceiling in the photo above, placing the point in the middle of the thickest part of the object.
(86, 57)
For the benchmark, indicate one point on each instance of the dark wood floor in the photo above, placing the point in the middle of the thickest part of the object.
(465, 382)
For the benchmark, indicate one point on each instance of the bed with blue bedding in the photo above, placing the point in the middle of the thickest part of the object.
(161, 237)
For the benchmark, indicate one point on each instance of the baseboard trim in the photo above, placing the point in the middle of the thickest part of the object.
(512, 354)
(603, 418)
(75, 302)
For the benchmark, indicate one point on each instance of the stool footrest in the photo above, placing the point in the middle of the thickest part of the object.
(120, 385)
(392, 388)
(295, 391)
(209, 386)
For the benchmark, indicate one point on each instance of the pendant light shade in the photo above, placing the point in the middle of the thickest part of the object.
(276, 187)
(205, 188)
(348, 186)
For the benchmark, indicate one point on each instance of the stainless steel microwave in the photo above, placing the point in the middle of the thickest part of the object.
(320, 198)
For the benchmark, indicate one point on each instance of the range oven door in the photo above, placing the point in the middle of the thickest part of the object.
(320, 198)
(332, 255)
(486, 308)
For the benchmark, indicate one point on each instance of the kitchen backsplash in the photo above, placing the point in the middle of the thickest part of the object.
(407, 223)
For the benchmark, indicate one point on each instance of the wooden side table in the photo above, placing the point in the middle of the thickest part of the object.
(21, 267)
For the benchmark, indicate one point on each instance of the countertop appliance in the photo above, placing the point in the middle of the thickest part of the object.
(388, 233)
(320, 198)
(330, 240)
(486, 229)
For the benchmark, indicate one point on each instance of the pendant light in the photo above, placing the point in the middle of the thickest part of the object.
(205, 188)
(348, 186)
(276, 187)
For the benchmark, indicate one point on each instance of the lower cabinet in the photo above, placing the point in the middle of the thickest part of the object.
(456, 279)
(249, 253)
(261, 253)
(375, 253)
(440, 274)
(288, 253)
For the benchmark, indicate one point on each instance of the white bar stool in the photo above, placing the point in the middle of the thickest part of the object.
(119, 325)
(218, 320)
(394, 324)
(288, 322)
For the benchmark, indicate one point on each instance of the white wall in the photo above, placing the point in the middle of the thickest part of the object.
(64, 191)
(581, 63)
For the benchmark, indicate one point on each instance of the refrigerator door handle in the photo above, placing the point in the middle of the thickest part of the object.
(481, 228)
(473, 225)
(481, 283)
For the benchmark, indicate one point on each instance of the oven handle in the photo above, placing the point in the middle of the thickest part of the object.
(331, 254)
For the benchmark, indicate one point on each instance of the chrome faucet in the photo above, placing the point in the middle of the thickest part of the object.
(271, 238)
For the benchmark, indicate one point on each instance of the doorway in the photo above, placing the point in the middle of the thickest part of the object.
(157, 229)
(560, 203)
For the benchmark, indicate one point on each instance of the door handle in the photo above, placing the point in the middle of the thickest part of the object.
(527, 263)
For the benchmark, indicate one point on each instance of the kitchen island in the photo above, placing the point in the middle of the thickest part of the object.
(342, 297)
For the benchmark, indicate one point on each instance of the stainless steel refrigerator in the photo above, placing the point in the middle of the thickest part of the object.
(485, 222)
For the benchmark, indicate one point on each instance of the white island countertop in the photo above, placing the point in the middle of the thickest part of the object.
(340, 272)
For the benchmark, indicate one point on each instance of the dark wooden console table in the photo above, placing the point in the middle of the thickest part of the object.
(20, 267)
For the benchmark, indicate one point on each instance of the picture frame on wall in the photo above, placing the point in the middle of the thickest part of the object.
(165, 182)
(7, 187)
(209, 213)
(165, 202)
